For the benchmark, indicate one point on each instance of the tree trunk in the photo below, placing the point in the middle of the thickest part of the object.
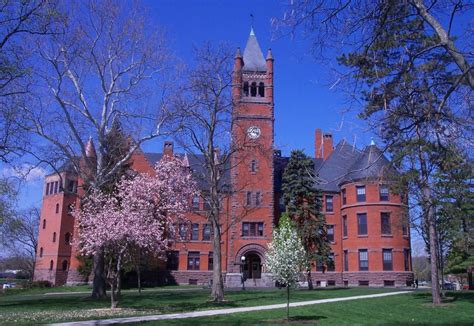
(310, 280)
(287, 303)
(139, 280)
(217, 292)
(113, 299)
(99, 282)
(430, 215)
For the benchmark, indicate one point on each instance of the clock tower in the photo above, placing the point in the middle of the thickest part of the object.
(252, 161)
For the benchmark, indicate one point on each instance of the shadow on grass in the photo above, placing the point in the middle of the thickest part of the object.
(307, 319)
(425, 297)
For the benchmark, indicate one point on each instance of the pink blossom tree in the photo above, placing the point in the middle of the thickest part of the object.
(139, 215)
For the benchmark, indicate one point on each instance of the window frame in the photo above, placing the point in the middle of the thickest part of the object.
(344, 196)
(345, 228)
(206, 236)
(385, 229)
(252, 229)
(383, 194)
(329, 203)
(194, 232)
(360, 198)
(387, 264)
(363, 264)
(359, 225)
(194, 261)
(346, 260)
(330, 236)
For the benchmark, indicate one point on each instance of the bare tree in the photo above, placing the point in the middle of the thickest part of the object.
(109, 63)
(205, 124)
(20, 21)
(19, 237)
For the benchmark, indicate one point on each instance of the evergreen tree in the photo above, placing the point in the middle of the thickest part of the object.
(303, 205)
(408, 87)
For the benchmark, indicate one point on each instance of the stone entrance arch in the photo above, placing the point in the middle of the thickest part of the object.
(252, 266)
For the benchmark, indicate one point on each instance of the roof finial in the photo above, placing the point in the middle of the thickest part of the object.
(372, 142)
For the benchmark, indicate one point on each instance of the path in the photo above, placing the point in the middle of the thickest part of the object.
(216, 312)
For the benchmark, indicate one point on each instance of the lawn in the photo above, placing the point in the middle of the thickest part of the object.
(29, 307)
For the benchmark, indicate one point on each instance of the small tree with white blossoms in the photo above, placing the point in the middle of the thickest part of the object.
(139, 215)
(286, 257)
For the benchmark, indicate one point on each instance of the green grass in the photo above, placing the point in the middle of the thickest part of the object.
(405, 309)
(33, 307)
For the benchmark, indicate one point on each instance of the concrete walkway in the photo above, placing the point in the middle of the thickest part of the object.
(216, 312)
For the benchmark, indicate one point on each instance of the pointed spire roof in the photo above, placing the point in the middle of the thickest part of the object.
(186, 160)
(253, 56)
(90, 149)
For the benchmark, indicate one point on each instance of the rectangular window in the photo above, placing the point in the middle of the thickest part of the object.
(252, 229)
(329, 204)
(47, 188)
(330, 235)
(346, 261)
(258, 199)
(406, 259)
(206, 232)
(183, 231)
(387, 259)
(210, 261)
(195, 203)
(361, 223)
(319, 266)
(207, 204)
(344, 226)
(172, 260)
(385, 223)
(193, 260)
(195, 232)
(331, 263)
(344, 197)
(363, 260)
(384, 193)
(249, 198)
(360, 190)
(405, 227)
(363, 283)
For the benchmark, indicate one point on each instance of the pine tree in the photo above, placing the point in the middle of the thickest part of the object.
(303, 205)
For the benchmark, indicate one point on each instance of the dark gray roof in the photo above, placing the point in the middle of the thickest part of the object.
(197, 165)
(253, 56)
(336, 166)
(371, 164)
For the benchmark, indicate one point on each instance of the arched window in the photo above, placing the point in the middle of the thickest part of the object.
(57, 208)
(64, 265)
(246, 89)
(253, 89)
(261, 89)
(41, 252)
(54, 236)
(67, 238)
(44, 224)
(51, 264)
(253, 166)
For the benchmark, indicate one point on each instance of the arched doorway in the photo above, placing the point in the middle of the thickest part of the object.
(252, 266)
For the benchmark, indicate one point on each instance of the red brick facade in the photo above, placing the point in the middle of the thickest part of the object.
(250, 213)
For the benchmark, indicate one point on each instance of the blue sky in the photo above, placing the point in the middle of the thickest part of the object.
(304, 99)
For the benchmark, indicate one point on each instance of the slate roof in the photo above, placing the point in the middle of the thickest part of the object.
(253, 56)
(196, 163)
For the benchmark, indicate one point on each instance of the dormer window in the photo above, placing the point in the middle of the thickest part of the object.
(253, 89)
(246, 89)
(253, 166)
(261, 89)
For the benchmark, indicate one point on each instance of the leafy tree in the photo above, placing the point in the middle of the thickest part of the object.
(286, 257)
(139, 215)
(303, 205)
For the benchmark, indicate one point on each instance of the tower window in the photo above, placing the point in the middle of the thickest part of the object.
(47, 188)
(246, 89)
(41, 252)
(57, 208)
(385, 223)
(67, 238)
(261, 89)
(65, 265)
(51, 265)
(360, 193)
(253, 89)
(362, 224)
(384, 193)
(253, 166)
(44, 224)
(54, 236)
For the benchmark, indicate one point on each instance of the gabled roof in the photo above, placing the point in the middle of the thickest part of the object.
(253, 56)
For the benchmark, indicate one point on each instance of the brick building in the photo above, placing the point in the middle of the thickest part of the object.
(366, 222)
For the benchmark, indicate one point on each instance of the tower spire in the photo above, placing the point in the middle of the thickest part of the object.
(253, 56)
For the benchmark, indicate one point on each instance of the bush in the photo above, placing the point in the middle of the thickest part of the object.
(39, 284)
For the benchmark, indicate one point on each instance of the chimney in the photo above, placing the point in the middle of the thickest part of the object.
(318, 144)
(328, 146)
(168, 148)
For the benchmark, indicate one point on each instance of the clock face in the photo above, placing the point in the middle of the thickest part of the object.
(253, 132)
